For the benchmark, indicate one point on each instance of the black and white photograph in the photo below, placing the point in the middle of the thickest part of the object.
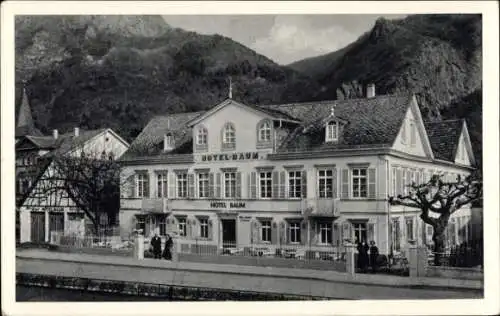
(278, 157)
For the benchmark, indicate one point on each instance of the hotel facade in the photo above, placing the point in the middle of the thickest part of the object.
(311, 175)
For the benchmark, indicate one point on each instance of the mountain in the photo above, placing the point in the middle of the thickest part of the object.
(438, 57)
(119, 71)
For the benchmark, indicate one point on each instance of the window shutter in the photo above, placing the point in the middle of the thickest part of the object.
(399, 182)
(347, 231)
(283, 232)
(189, 228)
(253, 185)
(256, 232)
(172, 182)
(335, 184)
(218, 177)
(336, 235)
(345, 183)
(282, 184)
(313, 237)
(304, 184)
(275, 184)
(274, 233)
(146, 186)
(190, 179)
(303, 233)
(403, 132)
(211, 185)
(131, 189)
(372, 183)
(210, 229)
(238, 185)
(371, 232)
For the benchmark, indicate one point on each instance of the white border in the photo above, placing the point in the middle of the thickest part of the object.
(489, 305)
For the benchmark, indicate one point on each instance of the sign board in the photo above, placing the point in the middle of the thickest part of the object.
(231, 156)
(224, 204)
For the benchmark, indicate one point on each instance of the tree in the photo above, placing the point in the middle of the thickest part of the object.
(440, 198)
(91, 181)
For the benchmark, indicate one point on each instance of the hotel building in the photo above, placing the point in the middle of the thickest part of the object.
(307, 174)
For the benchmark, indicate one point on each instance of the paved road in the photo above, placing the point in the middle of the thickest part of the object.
(275, 280)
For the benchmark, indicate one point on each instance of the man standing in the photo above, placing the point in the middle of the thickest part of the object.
(373, 256)
(156, 245)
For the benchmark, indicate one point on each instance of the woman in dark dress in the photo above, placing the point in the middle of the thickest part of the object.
(363, 256)
(373, 256)
(167, 252)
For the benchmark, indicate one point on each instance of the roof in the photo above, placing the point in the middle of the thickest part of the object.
(24, 122)
(150, 140)
(370, 122)
(67, 142)
(444, 137)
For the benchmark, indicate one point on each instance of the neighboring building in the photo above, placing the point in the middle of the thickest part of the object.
(312, 174)
(24, 123)
(39, 216)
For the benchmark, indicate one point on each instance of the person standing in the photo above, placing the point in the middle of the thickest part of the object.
(363, 256)
(167, 252)
(373, 256)
(156, 245)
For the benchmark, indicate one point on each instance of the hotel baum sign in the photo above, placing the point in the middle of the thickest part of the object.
(231, 156)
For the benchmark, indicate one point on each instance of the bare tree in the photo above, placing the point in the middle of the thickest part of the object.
(441, 198)
(91, 181)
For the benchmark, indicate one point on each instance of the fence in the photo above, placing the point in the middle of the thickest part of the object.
(465, 255)
(290, 256)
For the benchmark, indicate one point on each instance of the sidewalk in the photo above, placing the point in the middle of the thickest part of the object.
(304, 274)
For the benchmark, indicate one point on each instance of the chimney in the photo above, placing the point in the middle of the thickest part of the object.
(77, 131)
(370, 90)
(55, 133)
(167, 142)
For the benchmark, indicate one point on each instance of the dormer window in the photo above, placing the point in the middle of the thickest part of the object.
(168, 142)
(229, 136)
(265, 132)
(332, 131)
(202, 136)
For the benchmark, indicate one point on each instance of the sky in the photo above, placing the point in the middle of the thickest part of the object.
(283, 38)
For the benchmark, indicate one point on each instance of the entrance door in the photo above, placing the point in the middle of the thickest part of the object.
(37, 227)
(56, 223)
(228, 233)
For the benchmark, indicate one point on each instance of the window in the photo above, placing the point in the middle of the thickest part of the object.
(141, 223)
(162, 225)
(396, 235)
(265, 184)
(203, 189)
(294, 184)
(413, 133)
(359, 183)
(332, 132)
(409, 229)
(325, 183)
(360, 232)
(229, 134)
(204, 227)
(265, 132)
(182, 226)
(403, 181)
(294, 231)
(142, 185)
(181, 185)
(162, 185)
(229, 184)
(325, 233)
(202, 136)
(168, 141)
(266, 231)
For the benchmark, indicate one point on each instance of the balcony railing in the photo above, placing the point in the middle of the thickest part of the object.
(156, 205)
(320, 207)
